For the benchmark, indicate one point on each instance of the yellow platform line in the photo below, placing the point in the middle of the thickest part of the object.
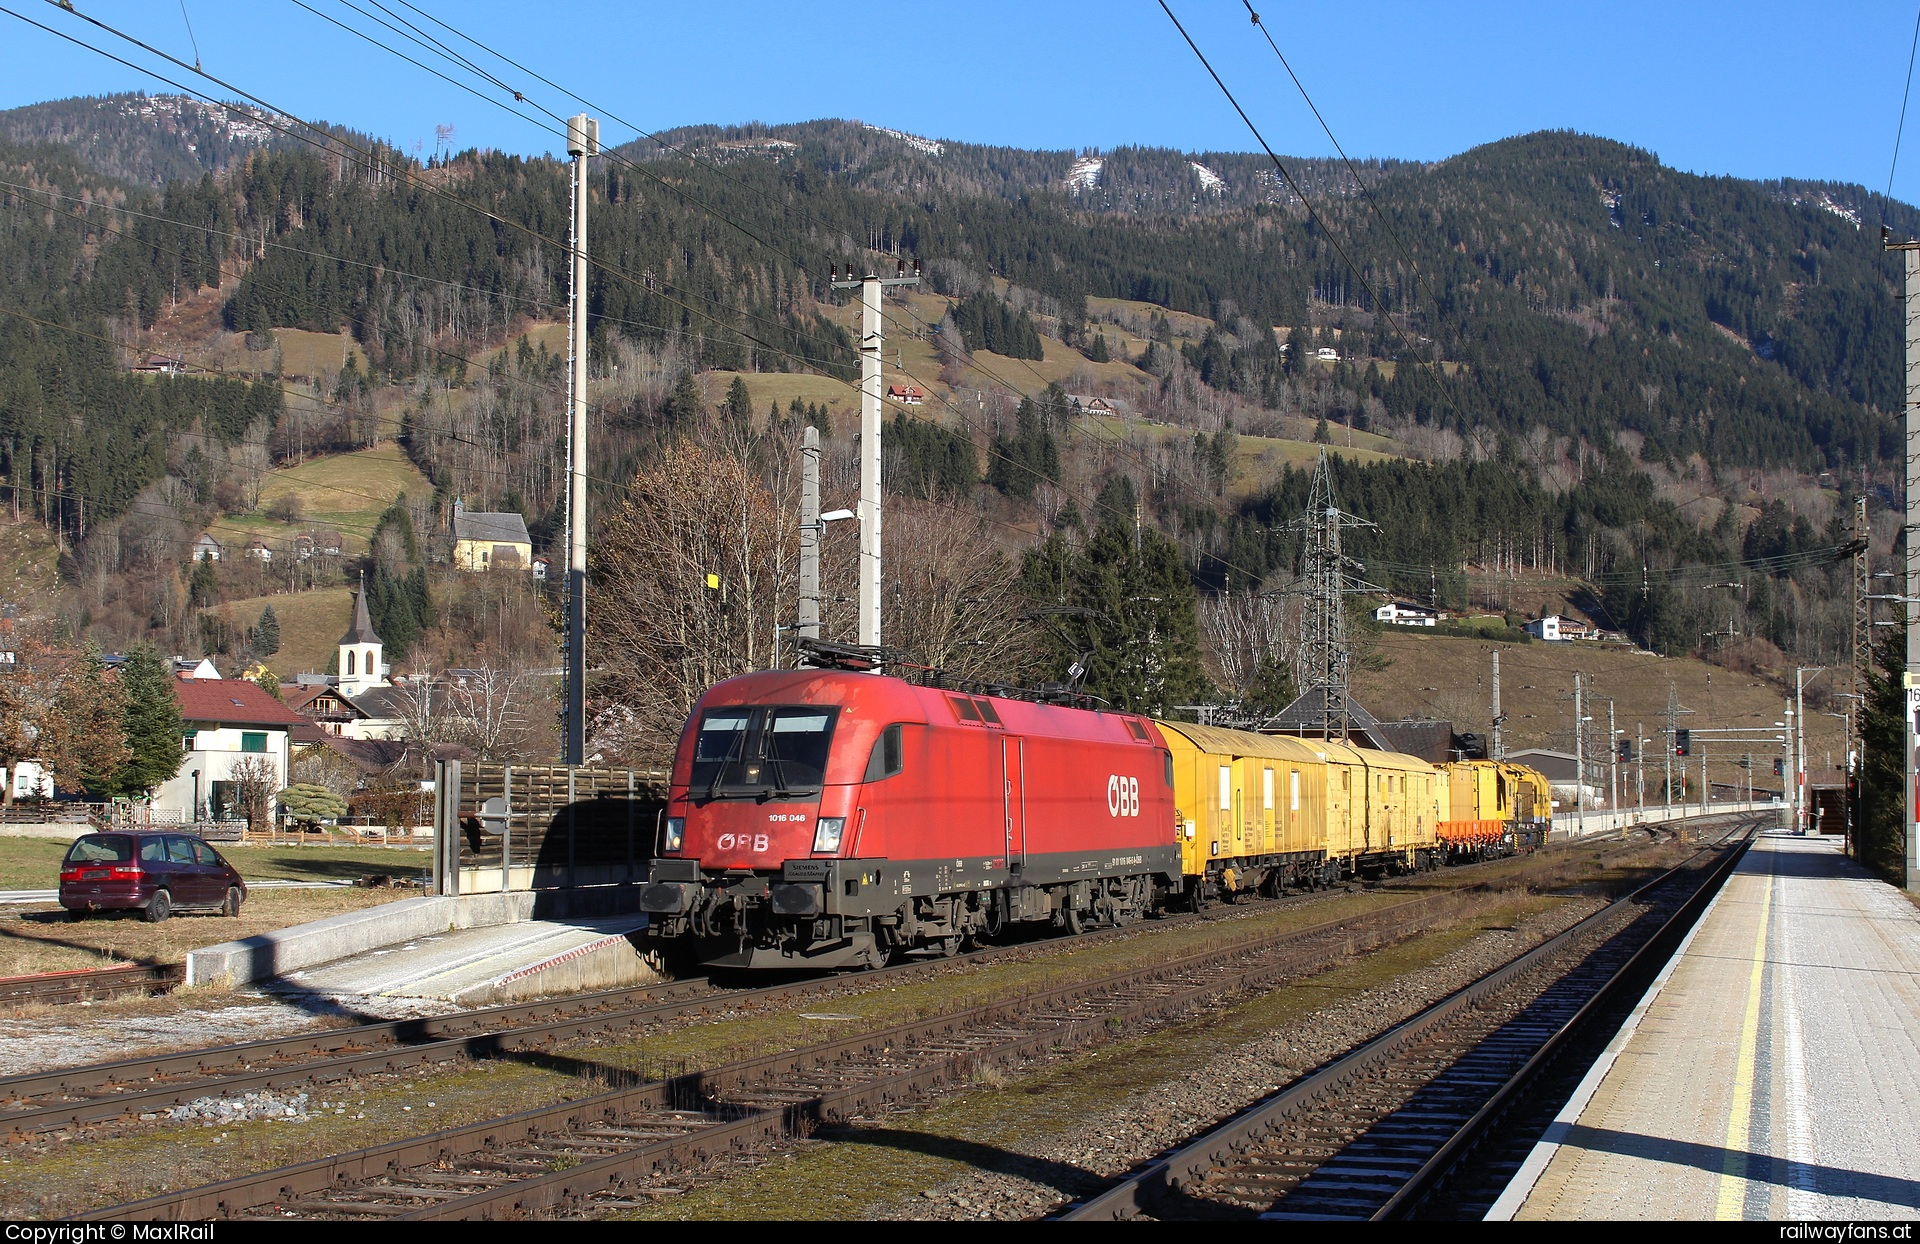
(1733, 1181)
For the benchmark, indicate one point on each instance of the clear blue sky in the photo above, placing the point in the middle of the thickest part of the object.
(1757, 89)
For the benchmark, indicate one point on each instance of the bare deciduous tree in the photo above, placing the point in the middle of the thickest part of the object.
(701, 514)
(253, 783)
(1245, 632)
(491, 710)
(951, 595)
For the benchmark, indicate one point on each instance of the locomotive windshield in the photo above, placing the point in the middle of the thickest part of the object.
(761, 752)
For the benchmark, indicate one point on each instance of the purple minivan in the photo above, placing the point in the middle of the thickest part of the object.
(154, 872)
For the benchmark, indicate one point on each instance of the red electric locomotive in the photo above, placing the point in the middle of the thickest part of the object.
(821, 818)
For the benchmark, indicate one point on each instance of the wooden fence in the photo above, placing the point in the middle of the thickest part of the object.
(543, 827)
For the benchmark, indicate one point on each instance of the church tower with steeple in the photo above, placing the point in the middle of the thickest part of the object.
(360, 666)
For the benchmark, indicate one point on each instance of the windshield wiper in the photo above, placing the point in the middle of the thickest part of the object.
(770, 752)
(720, 770)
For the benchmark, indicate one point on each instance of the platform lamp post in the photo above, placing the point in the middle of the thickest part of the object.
(1640, 741)
(1786, 763)
(1848, 759)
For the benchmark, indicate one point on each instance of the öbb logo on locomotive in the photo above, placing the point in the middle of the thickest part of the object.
(830, 819)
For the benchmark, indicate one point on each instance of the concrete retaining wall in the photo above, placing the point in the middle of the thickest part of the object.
(336, 937)
(64, 832)
(612, 962)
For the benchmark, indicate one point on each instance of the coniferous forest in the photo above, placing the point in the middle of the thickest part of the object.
(1571, 349)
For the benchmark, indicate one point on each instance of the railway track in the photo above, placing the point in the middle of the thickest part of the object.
(90, 984)
(1405, 1125)
(594, 1154)
(38, 1102)
(49, 1101)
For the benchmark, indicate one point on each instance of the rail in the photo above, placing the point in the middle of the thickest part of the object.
(1166, 1179)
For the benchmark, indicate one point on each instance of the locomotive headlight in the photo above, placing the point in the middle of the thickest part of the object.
(826, 833)
(675, 836)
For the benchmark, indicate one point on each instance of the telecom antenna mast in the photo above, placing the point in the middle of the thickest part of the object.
(871, 345)
(1323, 659)
(583, 140)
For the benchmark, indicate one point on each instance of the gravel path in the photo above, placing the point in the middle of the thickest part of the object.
(1161, 1116)
(68, 1036)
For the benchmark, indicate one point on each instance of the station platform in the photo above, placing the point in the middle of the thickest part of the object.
(482, 966)
(1771, 1072)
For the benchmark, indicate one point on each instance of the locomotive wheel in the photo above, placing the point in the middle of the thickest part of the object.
(948, 947)
(1074, 923)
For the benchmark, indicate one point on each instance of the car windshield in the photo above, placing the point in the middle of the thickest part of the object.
(100, 849)
(762, 752)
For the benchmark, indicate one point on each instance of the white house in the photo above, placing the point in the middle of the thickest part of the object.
(259, 551)
(225, 722)
(1087, 404)
(1327, 354)
(207, 549)
(29, 780)
(1403, 613)
(1555, 629)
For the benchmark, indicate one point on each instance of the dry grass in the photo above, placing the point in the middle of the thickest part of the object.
(311, 624)
(34, 863)
(312, 355)
(43, 939)
(1432, 676)
(29, 564)
(57, 1180)
(347, 491)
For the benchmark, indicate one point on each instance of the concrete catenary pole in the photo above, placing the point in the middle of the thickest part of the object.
(1912, 545)
(1640, 759)
(1499, 747)
(1786, 762)
(583, 140)
(872, 343)
(870, 346)
(809, 627)
(1579, 758)
(1910, 604)
(1613, 761)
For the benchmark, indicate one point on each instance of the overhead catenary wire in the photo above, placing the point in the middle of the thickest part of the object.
(1900, 128)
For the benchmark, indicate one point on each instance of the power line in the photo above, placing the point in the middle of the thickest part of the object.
(1286, 175)
(1901, 129)
(1413, 265)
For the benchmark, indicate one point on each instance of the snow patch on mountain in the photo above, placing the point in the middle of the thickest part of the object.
(918, 143)
(1085, 173)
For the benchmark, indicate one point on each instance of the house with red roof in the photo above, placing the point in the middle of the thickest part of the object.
(225, 722)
